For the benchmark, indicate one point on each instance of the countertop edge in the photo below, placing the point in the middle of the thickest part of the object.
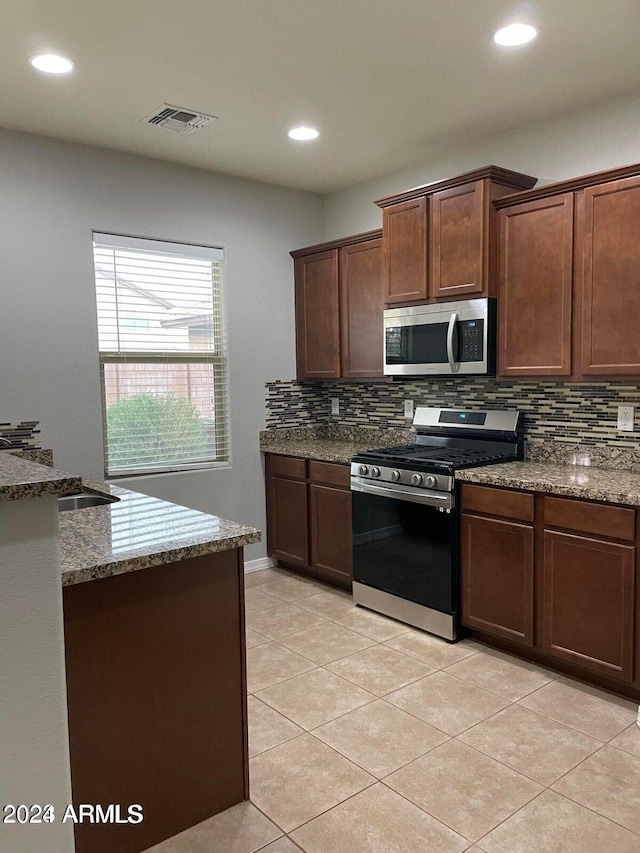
(21, 479)
(72, 577)
(312, 455)
(58, 487)
(482, 476)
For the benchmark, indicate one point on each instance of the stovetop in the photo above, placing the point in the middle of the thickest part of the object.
(422, 456)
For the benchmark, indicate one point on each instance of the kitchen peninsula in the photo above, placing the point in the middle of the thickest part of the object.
(153, 602)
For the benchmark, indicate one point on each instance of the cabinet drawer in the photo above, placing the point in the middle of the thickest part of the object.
(615, 522)
(287, 466)
(504, 502)
(329, 472)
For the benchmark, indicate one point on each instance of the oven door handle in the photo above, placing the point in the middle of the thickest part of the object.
(444, 500)
(453, 364)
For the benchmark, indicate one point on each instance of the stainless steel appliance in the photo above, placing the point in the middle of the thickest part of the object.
(406, 522)
(442, 339)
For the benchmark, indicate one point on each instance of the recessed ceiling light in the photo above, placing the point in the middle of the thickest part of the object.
(50, 63)
(303, 133)
(515, 34)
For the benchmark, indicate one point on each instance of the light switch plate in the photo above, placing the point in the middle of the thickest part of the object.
(625, 418)
(335, 405)
(408, 408)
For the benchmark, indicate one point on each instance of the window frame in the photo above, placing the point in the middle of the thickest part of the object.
(218, 358)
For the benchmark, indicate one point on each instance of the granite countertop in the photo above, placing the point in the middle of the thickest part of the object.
(139, 531)
(576, 481)
(318, 449)
(334, 444)
(20, 478)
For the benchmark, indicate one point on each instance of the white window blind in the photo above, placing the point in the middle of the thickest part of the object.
(162, 355)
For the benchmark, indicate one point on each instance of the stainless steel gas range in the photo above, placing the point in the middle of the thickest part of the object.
(406, 522)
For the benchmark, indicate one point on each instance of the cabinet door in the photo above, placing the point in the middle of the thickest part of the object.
(534, 308)
(588, 588)
(497, 578)
(317, 316)
(610, 278)
(459, 223)
(287, 521)
(331, 543)
(404, 251)
(361, 306)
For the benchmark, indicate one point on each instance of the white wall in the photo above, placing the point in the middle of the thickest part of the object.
(34, 761)
(587, 140)
(54, 194)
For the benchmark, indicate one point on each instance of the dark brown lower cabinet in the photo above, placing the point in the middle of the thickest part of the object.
(588, 602)
(497, 577)
(309, 517)
(287, 522)
(156, 694)
(330, 516)
(555, 575)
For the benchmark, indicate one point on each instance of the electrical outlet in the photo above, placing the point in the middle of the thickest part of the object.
(408, 408)
(625, 418)
(335, 405)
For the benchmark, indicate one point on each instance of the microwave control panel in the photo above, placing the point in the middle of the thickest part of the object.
(471, 340)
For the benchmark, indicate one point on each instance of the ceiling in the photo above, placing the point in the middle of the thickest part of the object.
(387, 83)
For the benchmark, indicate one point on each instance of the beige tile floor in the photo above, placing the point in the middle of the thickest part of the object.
(366, 736)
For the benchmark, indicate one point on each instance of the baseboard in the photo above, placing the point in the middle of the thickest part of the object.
(260, 563)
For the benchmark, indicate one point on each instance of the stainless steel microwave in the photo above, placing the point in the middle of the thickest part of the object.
(441, 339)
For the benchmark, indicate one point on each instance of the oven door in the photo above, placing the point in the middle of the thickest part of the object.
(405, 544)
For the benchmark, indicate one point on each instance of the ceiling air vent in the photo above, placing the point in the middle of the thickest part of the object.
(178, 119)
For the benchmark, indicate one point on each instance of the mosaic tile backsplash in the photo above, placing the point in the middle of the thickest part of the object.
(554, 411)
(21, 434)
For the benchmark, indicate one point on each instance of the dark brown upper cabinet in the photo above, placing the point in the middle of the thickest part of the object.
(317, 315)
(339, 304)
(361, 306)
(610, 278)
(569, 278)
(404, 252)
(459, 262)
(440, 240)
(534, 297)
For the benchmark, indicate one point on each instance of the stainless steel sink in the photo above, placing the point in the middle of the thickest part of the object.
(83, 500)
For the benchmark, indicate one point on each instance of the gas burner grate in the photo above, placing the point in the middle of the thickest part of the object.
(436, 455)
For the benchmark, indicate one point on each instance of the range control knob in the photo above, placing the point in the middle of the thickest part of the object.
(363, 470)
(395, 476)
(375, 472)
(416, 479)
(431, 481)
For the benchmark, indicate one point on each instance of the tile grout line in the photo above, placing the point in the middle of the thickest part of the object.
(278, 683)
(486, 689)
(562, 722)
(326, 811)
(513, 769)
(493, 714)
(523, 806)
(353, 761)
(583, 805)
(432, 816)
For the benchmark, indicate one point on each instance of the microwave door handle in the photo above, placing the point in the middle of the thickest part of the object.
(453, 319)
